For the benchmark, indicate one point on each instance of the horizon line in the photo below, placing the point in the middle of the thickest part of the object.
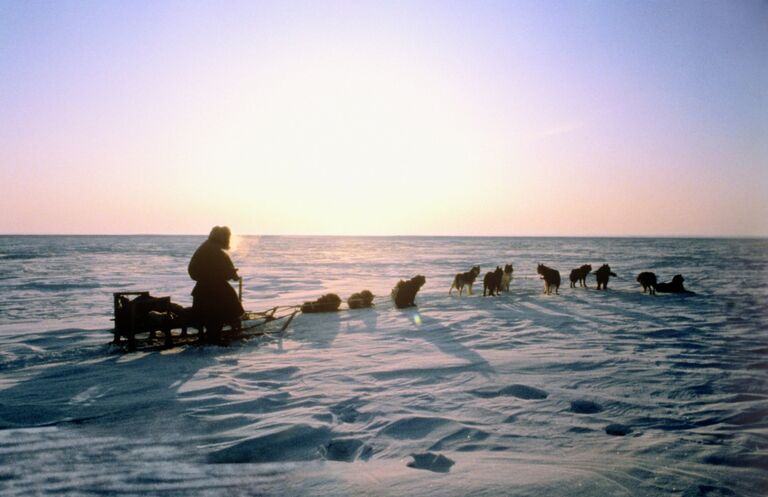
(295, 235)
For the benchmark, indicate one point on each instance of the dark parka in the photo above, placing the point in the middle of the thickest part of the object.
(214, 301)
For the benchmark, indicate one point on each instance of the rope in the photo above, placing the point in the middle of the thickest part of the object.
(269, 316)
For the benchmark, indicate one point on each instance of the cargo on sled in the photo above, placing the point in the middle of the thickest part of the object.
(139, 317)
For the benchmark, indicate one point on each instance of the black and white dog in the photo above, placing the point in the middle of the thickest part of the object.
(506, 278)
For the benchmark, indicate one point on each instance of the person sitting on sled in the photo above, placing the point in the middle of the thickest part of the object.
(214, 301)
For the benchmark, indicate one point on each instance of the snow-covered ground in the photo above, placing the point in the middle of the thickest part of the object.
(583, 393)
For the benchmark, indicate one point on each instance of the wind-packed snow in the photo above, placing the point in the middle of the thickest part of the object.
(601, 393)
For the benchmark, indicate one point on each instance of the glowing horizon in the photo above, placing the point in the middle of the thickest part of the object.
(449, 118)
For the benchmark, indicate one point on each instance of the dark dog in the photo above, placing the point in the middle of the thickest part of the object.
(467, 279)
(580, 275)
(405, 292)
(675, 286)
(492, 282)
(506, 278)
(551, 278)
(648, 280)
(327, 303)
(603, 274)
(360, 300)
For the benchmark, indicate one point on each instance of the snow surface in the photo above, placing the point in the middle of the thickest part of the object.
(582, 393)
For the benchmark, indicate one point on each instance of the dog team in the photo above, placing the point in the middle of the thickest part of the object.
(498, 281)
(495, 282)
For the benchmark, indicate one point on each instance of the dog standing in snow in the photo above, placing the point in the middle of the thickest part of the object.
(579, 275)
(465, 279)
(551, 278)
(648, 281)
(506, 277)
(603, 274)
(492, 282)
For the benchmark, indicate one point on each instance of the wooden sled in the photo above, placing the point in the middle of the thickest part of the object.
(139, 317)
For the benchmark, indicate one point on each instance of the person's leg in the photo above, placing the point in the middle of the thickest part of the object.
(213, 331)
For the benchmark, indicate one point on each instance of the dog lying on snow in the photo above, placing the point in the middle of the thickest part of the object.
(360, 300)
(465, 279)
(675, 286)
(327, 303)
(405, 292)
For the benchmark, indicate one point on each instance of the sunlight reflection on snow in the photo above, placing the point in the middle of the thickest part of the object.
(173, 351)
(133, 357)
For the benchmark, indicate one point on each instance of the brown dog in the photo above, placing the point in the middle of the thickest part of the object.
(492, 282)
(327, 303)
(675, 286)
(603, 274)
(648, 281)
(404, 293)
(360, 300)
(580, 275)
(462, 279)
(551, 278)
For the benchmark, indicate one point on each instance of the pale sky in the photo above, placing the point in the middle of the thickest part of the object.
(385, 118)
